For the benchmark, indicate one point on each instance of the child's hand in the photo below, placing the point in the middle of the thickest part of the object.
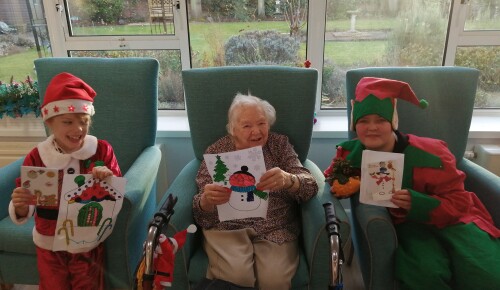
(21, 199)
(402, 199)
(101, 172)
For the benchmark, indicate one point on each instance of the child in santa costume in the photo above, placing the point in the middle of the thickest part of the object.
(66, 110)
(446, 237)
(165, 257)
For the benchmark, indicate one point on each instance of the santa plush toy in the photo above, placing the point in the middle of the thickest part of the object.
(165, 257)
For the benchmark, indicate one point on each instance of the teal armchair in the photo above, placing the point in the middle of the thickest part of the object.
(292, 91)
(126, 116)
(450, 92)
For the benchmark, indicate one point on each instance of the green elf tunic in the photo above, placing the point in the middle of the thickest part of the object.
(447, 240)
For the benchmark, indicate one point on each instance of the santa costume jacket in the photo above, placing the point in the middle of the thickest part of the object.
(93, 153)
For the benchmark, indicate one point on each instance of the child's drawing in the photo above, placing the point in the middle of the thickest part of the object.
(381, 176)
(240, 171)
(88, 210)
(42, 183)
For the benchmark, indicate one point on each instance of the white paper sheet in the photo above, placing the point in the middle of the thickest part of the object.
(381, 176)
(239, 170)
(87, 211)
(42, 182)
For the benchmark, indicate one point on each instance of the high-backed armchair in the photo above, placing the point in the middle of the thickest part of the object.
(450, 92)
(126, 110)
(292, 91)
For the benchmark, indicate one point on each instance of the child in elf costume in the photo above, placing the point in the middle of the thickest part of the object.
(66, 110)
(446, 237)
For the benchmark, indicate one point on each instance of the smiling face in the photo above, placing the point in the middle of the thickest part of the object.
(69, 130)
(375, 133)
(251, 127)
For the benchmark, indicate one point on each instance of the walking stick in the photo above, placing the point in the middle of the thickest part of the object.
(336, 253)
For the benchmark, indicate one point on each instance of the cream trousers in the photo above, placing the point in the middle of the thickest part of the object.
(238, 257)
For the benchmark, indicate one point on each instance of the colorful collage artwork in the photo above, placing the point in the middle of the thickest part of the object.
(381, 176)
(42, 183)
(240, 171)
(88, 210)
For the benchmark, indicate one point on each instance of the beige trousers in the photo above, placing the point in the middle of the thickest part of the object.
(238, 257)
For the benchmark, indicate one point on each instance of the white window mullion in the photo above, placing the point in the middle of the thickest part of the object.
(54, 15)
(316, 41)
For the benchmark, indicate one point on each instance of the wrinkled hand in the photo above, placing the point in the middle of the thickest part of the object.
(402, 198)
(101, 172)
(274, 179)
(214, 194)
(21, 198)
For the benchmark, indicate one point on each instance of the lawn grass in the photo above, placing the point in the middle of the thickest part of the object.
(205, 36)
(349, 53)
(18, 65)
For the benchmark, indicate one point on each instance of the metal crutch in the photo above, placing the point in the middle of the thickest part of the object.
(160, 220)
(336, 253)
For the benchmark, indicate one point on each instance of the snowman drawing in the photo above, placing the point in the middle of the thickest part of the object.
(245, 196)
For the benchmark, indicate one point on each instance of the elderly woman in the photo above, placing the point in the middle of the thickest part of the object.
(255, 251)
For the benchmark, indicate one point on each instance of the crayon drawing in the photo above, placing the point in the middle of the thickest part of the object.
(239, 171)
(381, 176)
(88, 210)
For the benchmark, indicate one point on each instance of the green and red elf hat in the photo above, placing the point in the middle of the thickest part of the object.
(67, 93)
(379, 96)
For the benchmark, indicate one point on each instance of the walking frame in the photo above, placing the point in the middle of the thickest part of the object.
(145, 272)
(336, 253)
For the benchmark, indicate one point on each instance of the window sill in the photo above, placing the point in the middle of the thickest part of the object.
(484, 124)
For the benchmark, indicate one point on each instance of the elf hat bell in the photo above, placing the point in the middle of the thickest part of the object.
(379, 96)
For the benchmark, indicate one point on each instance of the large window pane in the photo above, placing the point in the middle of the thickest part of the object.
(487, 60)
(170, 91)
(23, 38)
(239, 32)
(483, 15)
(363, 33)
(120, 17)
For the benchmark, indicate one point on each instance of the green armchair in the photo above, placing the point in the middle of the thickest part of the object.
(126, 106)
(292, 92)
(450, 92)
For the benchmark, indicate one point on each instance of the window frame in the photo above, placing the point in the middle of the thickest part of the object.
(61, 42)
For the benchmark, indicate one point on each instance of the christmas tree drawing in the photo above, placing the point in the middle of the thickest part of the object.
(220, 171)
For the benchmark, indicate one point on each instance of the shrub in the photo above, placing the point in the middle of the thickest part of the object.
(261, 47)
(107, 11)
(417, 40)
(333, 85)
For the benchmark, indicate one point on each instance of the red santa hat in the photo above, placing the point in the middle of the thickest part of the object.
(65, 94)
(379, 96)
(180, 237)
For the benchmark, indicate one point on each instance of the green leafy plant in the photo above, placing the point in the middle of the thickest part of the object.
(18, 99)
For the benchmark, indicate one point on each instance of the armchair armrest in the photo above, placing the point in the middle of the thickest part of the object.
(375, 242)
(8, 175)
(485, 184)
(124, 245)
(184, 188)
(315, 238)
